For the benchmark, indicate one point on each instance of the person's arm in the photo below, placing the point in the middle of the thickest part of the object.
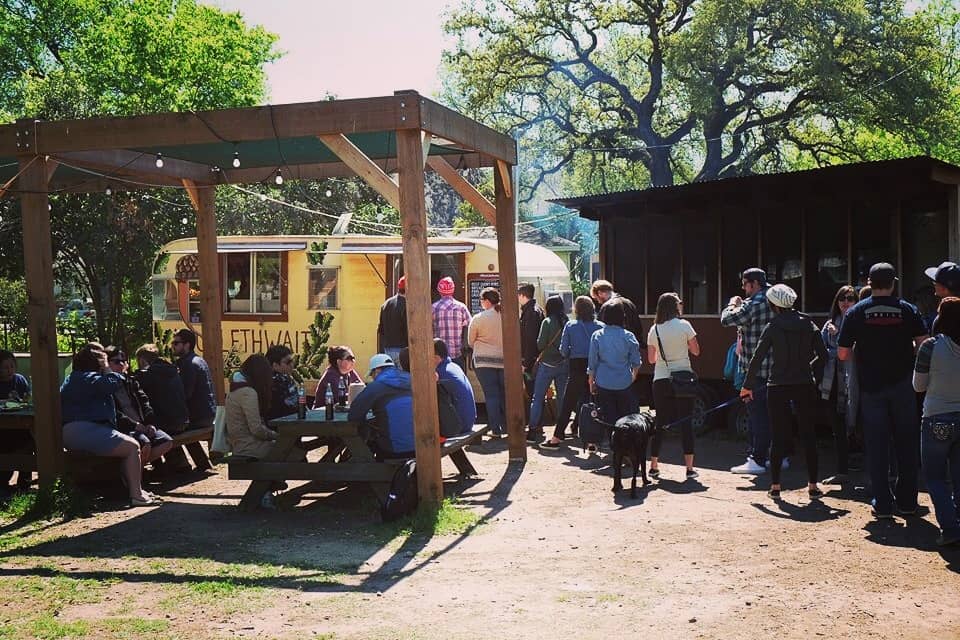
(819, 348)
(188, 376)
(543, 336)
(593, 359)
(251, 412)
(651, 353)
(848, 334)
(565, 341)
(148, 415)
(693, 345)
(653, 346)
(754, 367)
(105, 384)
(736, 315)
(362, 404)
(633, 355)
(921, 370)
(472, 330)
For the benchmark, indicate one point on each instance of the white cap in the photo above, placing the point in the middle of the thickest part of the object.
(781, 296)
(379, 361)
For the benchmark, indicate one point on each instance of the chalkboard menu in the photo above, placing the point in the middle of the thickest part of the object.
(477, 282)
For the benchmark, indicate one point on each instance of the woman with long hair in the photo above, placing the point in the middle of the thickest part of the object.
(612, 366)
(485, 337)
(339, 374)
(794, 343)
(246, 407)
(90, 418)
(575, 349)
(551, 365)
(670, 343)
(838, 375)
(936, 372)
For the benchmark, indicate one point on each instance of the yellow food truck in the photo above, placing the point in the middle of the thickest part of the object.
(273, 286)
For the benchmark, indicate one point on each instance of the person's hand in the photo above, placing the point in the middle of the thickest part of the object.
(831, 328)
(746, 395)
(735, 301)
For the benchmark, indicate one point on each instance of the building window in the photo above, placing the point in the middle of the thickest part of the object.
(739, 251)
(253, 283)
(166, 305)
(663, 258)
(826, 259)
(781, 249)
(322, 288)
(700, 268)
(874, 240)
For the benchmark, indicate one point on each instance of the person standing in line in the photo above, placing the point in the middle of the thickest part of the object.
(750, 316)
(198, 390)
(885, 331)
(602, 292)
(835, 384)
(946, 279)
(450, 318)
(794, 344)
(553, 367)
(392, 330)
(575, 349)
(531, 317)
(936, 372)
(671, 342)
(485, 337)
(612, 366)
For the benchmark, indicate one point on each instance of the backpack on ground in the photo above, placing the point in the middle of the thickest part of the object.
(590, 429)
(404, 496)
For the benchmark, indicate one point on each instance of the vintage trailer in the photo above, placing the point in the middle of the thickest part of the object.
(273, 286)
(814, 230)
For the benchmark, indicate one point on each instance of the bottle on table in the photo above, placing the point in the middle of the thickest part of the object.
(328, 402)
(342, 393)
(301, 402)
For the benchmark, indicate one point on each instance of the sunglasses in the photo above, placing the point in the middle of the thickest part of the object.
(117, 360)
(850, 299)
(174, 342)
(349, 358)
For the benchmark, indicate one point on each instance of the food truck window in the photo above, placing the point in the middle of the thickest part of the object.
(874, 240)
(253, 283)
(826, 259)
(781, 249)
(166, 302)
(663, 260)
(322, 288)
(700, 267)
(739, 251)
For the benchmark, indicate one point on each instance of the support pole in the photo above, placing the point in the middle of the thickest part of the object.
(953, 222)
(204, 201)
(413, 216)
(42, 311)
(507, 258)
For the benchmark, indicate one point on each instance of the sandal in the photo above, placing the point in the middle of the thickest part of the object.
(147, 501)
(655, 473)
(815, 494)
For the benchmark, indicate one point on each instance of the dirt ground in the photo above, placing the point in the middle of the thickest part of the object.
(553, 554)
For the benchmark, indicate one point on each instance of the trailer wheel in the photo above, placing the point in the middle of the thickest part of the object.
(737, 424)
(703, 402)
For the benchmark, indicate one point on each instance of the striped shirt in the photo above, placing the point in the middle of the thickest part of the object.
(450, 316)
(750, 319)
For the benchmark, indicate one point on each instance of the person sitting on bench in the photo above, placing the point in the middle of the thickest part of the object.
(13, 386)
(135, 416)
(90, 418)
(390, 398)
(246, 408)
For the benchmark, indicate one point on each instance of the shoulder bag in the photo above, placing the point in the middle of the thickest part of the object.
(684, 382)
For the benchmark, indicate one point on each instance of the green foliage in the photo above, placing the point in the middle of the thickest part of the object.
(231, 362)
(316, 254)
(310, 363)
(60, 500)
(163, 338)
(13, 315)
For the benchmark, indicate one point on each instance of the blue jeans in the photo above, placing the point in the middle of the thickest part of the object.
(758, 419)
(545, 375)
(888, 413)
(491, 381)
(940, 449)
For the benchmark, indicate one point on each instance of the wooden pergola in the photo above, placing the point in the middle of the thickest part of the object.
(373, 138)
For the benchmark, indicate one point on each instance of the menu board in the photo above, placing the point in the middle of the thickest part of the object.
(477, 282)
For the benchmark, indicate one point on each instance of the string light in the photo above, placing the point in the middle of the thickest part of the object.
(159, 161)
(328, 193)
(183, 221)
(109, 191)
(236, 159)
(279, 178)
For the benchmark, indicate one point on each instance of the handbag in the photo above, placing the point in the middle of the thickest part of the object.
(684, 383)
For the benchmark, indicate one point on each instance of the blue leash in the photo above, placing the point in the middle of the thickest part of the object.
(732, 401)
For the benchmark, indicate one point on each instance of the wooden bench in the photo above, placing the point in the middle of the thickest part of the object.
(326, 474)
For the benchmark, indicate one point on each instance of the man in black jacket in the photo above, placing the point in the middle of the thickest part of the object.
(135, 416)
(392, 330)
(198, 389)
(531, 316)
(160, 380)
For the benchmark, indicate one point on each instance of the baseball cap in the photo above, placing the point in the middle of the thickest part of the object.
(782, 296)
(402, 283)
(379, 361)
(882, 275)
(947, 274)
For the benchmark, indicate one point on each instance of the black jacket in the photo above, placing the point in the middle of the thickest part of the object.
(631, 319)
(531, 316)
(141, 406)
(161, 382)
(198, 387)
(794, 343)
(392, 331)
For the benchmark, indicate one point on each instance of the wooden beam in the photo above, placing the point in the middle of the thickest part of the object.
(203, 199)
(365, 168)
(413, 217)
(512, 367)
(120, 162)
(425, 138)
(447, 123)
(466, 190)
(236, 125)
(505, 177)
(42, 311)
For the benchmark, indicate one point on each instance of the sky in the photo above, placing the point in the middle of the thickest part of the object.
(349, 48)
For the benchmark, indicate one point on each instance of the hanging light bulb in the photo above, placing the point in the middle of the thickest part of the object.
(236, 159)
(159, 161)
(279, 178)
(183, 221)
(109, 191)
(328, 193)
(263, 198)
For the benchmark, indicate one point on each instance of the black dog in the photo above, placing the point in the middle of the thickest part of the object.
(628, 438)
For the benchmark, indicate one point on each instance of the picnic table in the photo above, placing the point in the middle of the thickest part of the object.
(351, 463)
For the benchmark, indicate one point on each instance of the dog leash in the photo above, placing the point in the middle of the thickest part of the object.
(732, 401)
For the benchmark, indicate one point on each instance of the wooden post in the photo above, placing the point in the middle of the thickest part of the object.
(42, 310)
(512, 367)
(953, 222)
(203, 199)
(416, 264)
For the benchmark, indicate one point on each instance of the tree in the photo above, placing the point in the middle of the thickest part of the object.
(81, 58)
(638, 92)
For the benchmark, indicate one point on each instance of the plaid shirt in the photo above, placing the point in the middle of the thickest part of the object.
(450, 316)
(750, 319)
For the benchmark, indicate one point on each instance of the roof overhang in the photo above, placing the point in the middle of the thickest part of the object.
(396, 248)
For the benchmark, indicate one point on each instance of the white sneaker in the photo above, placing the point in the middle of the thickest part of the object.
(784, 465)
(750, 467)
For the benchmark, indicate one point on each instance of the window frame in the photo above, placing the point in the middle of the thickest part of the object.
(241, 316)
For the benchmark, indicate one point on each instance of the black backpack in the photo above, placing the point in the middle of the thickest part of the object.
(450, 424)
(403, 496)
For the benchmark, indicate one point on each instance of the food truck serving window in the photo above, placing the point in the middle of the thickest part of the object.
(253, 282)
(322, 287)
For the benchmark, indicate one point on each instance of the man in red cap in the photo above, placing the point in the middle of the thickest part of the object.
(450, 317)
(392, 330)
